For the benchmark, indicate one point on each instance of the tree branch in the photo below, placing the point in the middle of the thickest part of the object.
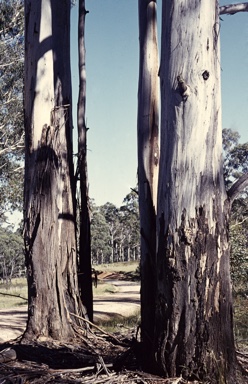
(238, 187)
(10, 294)
(231, 9)
(239, 223)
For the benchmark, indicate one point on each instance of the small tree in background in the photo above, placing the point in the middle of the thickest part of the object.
(100, 237)
(236, 165)
(11, 255)
(112, 217)
(129, 220)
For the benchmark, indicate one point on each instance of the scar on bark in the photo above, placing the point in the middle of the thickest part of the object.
(183, 88)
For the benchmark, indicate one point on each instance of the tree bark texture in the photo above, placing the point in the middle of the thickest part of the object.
(85, 276)
(193, 325)
(148, 159)
(49, 209)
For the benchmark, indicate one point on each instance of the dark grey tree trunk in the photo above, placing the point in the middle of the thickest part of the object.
(49, 209)
(193, 319)
(148, 160)
(85, 276)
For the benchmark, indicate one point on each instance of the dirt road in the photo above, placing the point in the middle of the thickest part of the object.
(125, 302)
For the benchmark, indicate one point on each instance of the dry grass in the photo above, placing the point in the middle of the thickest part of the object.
(13, 295)
(104, 288)
(117, 267)
(125, 324)
(18, 287)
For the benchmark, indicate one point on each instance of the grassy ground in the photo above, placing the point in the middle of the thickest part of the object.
(13, 295)
(19, 288)
(104, 288)
(115, 324)
(117, 267)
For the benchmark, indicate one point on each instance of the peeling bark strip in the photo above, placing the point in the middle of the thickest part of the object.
(148, 159)
(193, 321)
(49, 212)
(231, 9)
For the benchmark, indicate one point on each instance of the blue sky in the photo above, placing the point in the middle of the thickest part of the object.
(112, 55)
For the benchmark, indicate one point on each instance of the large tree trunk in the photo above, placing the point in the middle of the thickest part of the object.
(49, 210)
(148, 159)
(85, 280)
(193, 326)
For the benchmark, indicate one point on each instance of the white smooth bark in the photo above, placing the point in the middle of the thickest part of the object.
(44, 89)
(189, 127)
(193, 296)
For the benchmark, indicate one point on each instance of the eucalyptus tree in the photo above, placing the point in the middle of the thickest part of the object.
(129, 220)
(101, 249)
(148, 158)
(11, 254)
(192, 331)
(49, 209)
(85, 281)
(112, 217)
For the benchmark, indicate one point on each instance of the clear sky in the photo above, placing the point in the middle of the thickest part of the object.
(112, 55)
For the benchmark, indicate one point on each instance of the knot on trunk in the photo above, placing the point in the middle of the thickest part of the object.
(183, 88)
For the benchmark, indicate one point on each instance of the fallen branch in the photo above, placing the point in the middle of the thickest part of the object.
(10, 294)
(98, 328)
(239, 223)
(76, 370)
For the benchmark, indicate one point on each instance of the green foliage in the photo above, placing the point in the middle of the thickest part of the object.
(100, 237)
(130, 223)
(236, 164)
(10, 23)
(235, 156)
(239, 243)
(115, 231)
(239, 258)
(241, 321)
(11, 254)
(11, 108)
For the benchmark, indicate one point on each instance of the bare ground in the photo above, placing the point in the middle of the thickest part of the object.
(100, 359)
(123, 303)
